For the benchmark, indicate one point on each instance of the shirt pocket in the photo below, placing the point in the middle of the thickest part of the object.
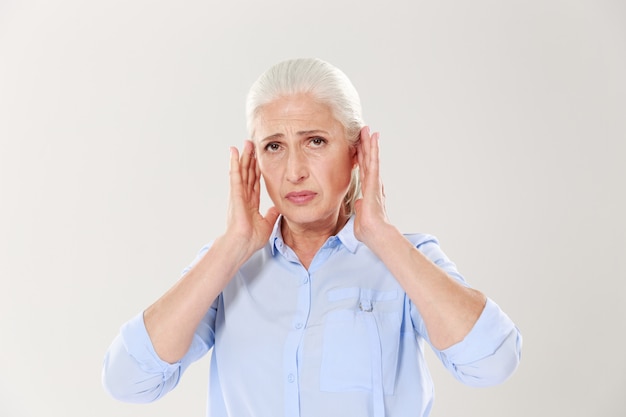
(361, 344)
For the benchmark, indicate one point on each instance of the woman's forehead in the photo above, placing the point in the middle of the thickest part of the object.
(293, 115)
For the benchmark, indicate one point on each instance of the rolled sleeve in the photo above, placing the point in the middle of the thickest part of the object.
(489, 353)
(132, 370)
(138, 345)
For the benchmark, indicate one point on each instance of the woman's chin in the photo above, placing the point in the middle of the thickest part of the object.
(302, 216)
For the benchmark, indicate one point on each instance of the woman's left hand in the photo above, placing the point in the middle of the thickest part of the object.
(371, 216)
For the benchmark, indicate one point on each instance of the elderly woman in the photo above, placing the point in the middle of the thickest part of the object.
(321, 307)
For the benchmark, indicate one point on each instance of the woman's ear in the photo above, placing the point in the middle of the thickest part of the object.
(354, 155)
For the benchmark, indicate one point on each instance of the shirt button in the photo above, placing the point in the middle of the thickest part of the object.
(298, 325)
(291, 378)
(366, 306)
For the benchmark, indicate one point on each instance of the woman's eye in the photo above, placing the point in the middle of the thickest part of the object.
(317, 141)
(272, 147)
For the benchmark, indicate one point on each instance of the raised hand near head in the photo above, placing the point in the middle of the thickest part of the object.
(245, 223)
(371, 215)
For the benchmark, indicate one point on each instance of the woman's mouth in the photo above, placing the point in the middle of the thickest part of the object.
(300, 197)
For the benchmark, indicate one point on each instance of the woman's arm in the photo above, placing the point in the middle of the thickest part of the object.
(172, 320)
(133, 372)
(148, 357)
(448, 308)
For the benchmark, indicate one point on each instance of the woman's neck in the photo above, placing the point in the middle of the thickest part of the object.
(306, 239)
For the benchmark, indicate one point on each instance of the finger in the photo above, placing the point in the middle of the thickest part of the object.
(253, 175)
(257, 172)
(362, 152)
(374, 155)
(246, 154)
(359, 156)
(235, 192)
(233, 167)
(365, 145)
(253, 178)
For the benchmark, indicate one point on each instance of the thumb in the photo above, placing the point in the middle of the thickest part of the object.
(357, 205)
(271, 215)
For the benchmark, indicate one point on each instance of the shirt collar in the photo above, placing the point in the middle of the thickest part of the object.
(276, 238)
(345, 236)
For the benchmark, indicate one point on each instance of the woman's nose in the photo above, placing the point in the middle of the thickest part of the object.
(297, 169)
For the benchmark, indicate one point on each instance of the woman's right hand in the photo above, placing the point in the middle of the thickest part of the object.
(245, 224)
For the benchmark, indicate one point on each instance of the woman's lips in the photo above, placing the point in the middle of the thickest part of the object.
(300, 197)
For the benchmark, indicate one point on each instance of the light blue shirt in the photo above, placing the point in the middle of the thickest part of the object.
(339, 339)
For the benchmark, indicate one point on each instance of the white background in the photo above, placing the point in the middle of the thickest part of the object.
(503, 127)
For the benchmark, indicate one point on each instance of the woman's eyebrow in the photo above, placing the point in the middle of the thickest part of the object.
(312, 132)
(299, 133)
(272, 137)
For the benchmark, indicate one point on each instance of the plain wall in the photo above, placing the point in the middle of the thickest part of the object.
(503, 127)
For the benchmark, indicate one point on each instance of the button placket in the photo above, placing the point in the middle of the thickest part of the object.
(293, 345)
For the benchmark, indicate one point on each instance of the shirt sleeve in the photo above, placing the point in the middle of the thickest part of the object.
(491, 351)
(132, 370)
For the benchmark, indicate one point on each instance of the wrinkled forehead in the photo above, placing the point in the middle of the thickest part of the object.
(290, 114)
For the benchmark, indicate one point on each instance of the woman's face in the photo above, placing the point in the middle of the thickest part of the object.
(305, 159)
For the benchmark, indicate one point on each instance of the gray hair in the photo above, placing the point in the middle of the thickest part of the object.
(325, 83)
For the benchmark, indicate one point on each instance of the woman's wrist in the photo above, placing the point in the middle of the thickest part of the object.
(235, 247)
(385, 237)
